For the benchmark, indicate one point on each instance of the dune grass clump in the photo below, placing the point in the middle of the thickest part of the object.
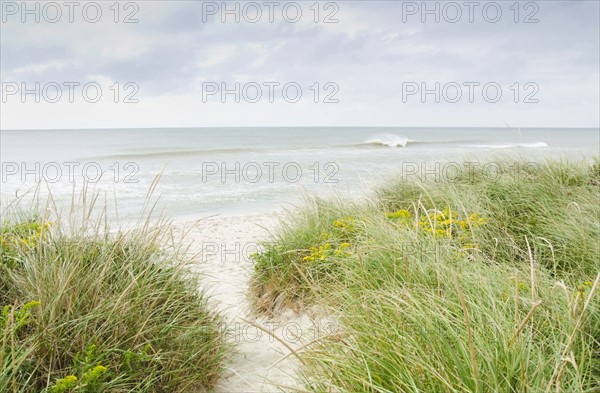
(86, 310)
(552, 207)
(308, 251)
(466, 286)
(420, 316)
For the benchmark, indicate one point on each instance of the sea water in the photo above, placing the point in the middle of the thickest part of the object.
(207, 171)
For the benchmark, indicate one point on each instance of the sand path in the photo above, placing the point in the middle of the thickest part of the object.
(260, 363)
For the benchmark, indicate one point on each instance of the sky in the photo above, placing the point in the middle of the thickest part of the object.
(136, 64)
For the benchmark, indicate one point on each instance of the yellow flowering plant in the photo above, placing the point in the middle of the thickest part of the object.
(345, 227)
(19, 318)
(19, 237)
(65, 384)
(445, 223)
(398, 214)
(326, 251)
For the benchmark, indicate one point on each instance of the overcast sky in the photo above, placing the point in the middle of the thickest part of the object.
(368, 65)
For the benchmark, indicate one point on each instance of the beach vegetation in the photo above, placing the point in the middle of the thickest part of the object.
(87, 308)
(469, 285)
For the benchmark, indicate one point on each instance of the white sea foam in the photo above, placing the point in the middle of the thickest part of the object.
(535, 145)
(391, 140)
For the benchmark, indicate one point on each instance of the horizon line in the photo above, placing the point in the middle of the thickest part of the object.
(258, 127)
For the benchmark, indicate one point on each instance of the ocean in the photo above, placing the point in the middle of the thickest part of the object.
(236, 171)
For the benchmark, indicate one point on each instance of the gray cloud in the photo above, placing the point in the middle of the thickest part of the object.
(370, 52)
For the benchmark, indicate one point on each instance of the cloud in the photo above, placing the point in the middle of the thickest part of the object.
(369, 53)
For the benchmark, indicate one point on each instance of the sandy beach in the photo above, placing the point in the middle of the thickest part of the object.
(260, 362)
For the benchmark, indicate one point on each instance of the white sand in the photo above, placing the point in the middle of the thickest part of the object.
(260, 363)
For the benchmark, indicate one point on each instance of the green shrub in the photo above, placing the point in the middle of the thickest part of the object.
(89, 310)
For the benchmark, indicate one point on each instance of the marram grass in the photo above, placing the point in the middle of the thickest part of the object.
(465, 286)
(85, 310)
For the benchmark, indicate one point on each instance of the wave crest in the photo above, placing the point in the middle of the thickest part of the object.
(535, 145)
(390, 140)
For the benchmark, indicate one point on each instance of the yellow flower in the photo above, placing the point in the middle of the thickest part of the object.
(446, 222)
(95, 373)
(344, 223)
(339, 223)
(404, 214)
(477, 220)
(584, 286)
(65, 384)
